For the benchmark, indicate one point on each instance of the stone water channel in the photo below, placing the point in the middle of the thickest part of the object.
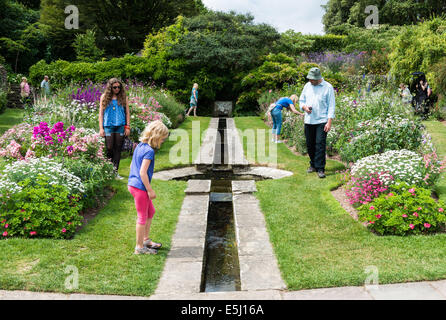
(221, 242)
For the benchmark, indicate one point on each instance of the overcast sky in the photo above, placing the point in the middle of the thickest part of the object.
(299, 15)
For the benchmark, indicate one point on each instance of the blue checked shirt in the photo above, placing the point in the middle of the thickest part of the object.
(322, 99)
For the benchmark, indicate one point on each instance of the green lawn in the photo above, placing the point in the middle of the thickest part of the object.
(438, 133)
(10, 118)
(318, 244)
(103, 250)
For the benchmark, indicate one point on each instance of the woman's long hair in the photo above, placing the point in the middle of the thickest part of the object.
(108, 93)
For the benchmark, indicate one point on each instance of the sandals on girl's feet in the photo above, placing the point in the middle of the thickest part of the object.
(153, 245)
(145, 250)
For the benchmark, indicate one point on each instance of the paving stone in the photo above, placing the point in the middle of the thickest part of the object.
(260, 273)
(243, 186)
(233, 295)
(198, 186)
(266, 172)
(184, 277)
(440, 286)
(246, 220)
(79, 296)
(194, 205)
(187, 254)
(404, 291)
(344, 293)
(28, 295)
(176, 173)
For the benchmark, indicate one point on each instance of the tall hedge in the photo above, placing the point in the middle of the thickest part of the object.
(63, 72)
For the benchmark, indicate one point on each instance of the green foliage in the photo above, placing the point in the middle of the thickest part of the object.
(419, 48)
(363, 39)
(48, 210)
(276, 70)
(95, 177)
(394, 12)
(328, 42)
(85, 47)
(62, 72)
(3, 100)
(406, 210)
(293, 43)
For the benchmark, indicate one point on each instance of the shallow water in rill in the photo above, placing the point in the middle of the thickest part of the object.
(221, 271)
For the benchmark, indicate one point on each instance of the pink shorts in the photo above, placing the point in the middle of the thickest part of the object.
(143, 204)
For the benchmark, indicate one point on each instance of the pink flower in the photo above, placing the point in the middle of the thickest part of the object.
(427, 225)
(69, 223)
(372, 208)
(412, 190)
(5, 233)
(371, 222)
(33, 233)
(415, 214)
(378, 216)
(440, 210)
(419, 208)
(411, 226)
(6, 226)
(404, 215)
(64, 230)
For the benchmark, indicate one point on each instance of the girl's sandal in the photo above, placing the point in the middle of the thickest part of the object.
(154, 245)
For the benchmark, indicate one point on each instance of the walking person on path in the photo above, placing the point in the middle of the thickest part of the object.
(140, 178)
(193, 100)
(114, 120)
(318, 101)
(45, 86)
(276, 114)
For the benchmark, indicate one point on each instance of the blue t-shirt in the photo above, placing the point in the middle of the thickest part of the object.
(283, 103)
(142, 151)
(114, 115)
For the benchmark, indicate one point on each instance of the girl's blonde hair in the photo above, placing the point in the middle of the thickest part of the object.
(154, 133)
(24, 78)
(294, 98)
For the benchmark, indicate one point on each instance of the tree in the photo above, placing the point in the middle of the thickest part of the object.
(392, 12)
(86, 49)
(121, 26)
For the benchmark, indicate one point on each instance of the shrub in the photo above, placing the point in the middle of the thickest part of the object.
(379, 135)
(3, 100)
(419, 48)
(406, 210)
(40, 209)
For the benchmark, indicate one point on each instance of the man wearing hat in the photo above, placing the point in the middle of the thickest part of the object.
(318, 101)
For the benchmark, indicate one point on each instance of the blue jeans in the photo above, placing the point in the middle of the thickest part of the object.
(276, 114)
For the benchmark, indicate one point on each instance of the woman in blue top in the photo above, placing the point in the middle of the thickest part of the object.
(193, 100)
(276, 114)
(114, 120)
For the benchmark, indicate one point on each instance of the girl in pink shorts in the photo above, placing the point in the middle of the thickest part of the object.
(141, 172)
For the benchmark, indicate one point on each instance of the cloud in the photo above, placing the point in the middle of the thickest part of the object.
(299, 15)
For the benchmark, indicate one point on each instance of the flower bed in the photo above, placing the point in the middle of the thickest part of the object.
(53, 173)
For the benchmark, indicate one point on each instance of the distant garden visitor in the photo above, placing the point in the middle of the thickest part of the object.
(405, 94)
(45, 86)
(140, 178)
(276, 114)
(24, 90)
(114, 120)
(193, 100)
(318, 101)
